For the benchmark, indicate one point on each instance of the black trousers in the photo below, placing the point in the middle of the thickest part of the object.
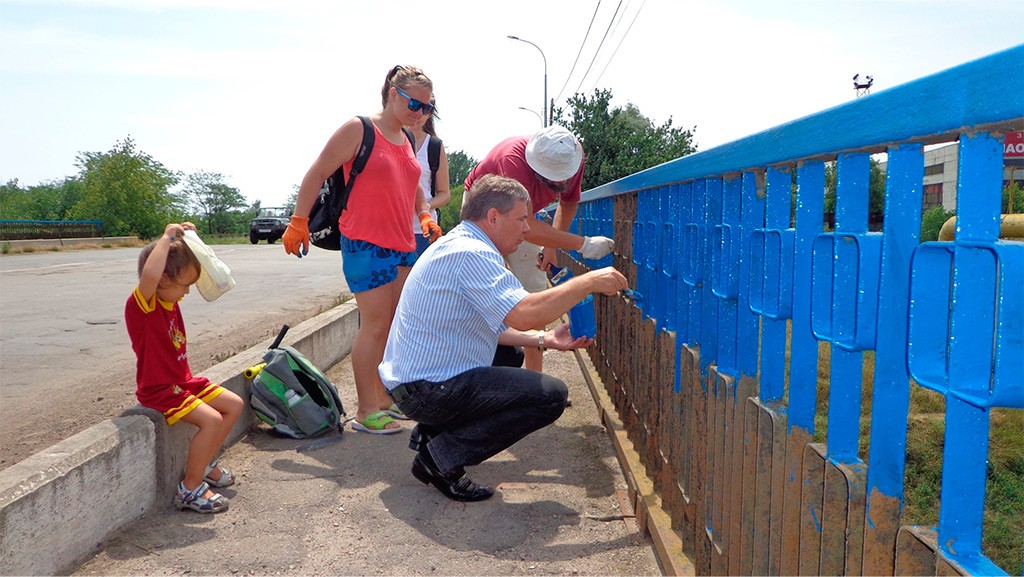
(508, 356)
(481, 412)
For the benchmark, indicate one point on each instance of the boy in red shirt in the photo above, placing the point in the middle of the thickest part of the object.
(167, 268)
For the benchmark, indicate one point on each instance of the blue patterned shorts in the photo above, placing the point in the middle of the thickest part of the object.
(368, 266)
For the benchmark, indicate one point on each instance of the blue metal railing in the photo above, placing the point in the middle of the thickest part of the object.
(745, 293)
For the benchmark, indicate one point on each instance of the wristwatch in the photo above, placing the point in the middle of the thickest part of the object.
(540, 341)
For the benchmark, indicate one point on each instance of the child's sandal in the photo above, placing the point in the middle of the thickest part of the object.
(195, 500)
(227, 478)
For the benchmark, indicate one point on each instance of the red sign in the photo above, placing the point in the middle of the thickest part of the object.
(1013, 145)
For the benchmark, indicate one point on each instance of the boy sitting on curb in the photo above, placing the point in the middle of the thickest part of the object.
(168, 266)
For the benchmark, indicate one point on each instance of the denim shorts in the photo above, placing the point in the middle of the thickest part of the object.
(368, 266)
(422, 243)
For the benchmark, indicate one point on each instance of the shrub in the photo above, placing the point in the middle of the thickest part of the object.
(932, 221)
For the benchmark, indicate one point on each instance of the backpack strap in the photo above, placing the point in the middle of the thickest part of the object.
(365, 148)
(362, 157)
(434, 160)
(358, 164)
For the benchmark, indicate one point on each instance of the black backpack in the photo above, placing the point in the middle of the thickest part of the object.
(434, 160)
(333, 199)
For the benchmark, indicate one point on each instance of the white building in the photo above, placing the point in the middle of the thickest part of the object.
(940, 171)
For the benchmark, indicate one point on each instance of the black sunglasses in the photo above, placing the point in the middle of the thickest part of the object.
(416, 105)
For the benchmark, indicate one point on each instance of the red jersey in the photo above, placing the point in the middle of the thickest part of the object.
(508, 159)
(157, 332)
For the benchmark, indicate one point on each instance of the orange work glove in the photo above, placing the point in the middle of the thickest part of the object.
(430, 228)
(296, 236)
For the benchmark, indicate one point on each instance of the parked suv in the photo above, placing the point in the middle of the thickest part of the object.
(269, 224)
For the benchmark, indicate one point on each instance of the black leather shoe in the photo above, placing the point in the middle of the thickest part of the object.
(456, 485)
(421, 435)
(417, 439)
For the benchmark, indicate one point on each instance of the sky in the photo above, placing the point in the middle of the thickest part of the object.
(252, 89)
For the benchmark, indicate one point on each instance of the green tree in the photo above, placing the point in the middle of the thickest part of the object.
(932, 221)
(69, 193)
(620, 141)
(293, 198)
(126, 189)
(246, 216)
(459, 165)
(45, 201)
(1013, 191)
(216, 202)
(876, 188)
(13, 201)
(450, 214)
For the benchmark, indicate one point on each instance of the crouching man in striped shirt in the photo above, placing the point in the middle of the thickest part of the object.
(458, 304)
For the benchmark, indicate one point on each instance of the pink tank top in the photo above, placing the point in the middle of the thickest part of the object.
(382, 201)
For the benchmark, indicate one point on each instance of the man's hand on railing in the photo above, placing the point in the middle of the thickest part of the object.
(605, 280)
(595, 247)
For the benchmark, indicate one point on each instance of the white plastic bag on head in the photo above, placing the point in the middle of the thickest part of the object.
(214, 276)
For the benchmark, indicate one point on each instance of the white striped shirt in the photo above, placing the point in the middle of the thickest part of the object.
(451, 311)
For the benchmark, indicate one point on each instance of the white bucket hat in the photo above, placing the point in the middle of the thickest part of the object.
(214, 276)
(554, 153)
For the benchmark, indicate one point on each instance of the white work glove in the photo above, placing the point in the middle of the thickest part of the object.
(595, 247)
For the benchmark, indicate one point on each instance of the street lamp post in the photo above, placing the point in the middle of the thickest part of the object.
(544, 107)
(535, 113)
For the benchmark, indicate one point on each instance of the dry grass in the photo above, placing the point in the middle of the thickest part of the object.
(7, 247)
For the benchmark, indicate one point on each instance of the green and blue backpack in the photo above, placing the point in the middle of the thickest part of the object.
(293, 396)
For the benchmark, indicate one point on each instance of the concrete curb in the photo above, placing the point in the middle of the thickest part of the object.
(60, 505)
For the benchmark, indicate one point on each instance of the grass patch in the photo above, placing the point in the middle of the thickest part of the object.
(1002, 537)
(7, 248)
(1004, 496)
(226, 238)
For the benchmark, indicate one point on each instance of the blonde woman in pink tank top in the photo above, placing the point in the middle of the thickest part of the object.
(378, 249)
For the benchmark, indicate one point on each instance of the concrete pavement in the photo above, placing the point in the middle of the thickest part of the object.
(572, 500)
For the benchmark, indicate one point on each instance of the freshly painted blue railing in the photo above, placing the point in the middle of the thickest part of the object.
(745, 293)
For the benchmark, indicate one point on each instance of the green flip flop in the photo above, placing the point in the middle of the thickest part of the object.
(394, 412)
(376, 423)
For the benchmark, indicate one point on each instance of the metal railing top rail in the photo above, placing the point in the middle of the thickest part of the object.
(987, 93)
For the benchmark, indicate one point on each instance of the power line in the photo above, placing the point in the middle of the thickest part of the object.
(587, 35)
(619, 44)
(599, 46)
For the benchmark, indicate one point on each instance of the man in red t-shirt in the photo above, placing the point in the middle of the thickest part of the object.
(550, 165)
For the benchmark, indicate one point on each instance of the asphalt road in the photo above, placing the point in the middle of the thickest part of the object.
(65, 358)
